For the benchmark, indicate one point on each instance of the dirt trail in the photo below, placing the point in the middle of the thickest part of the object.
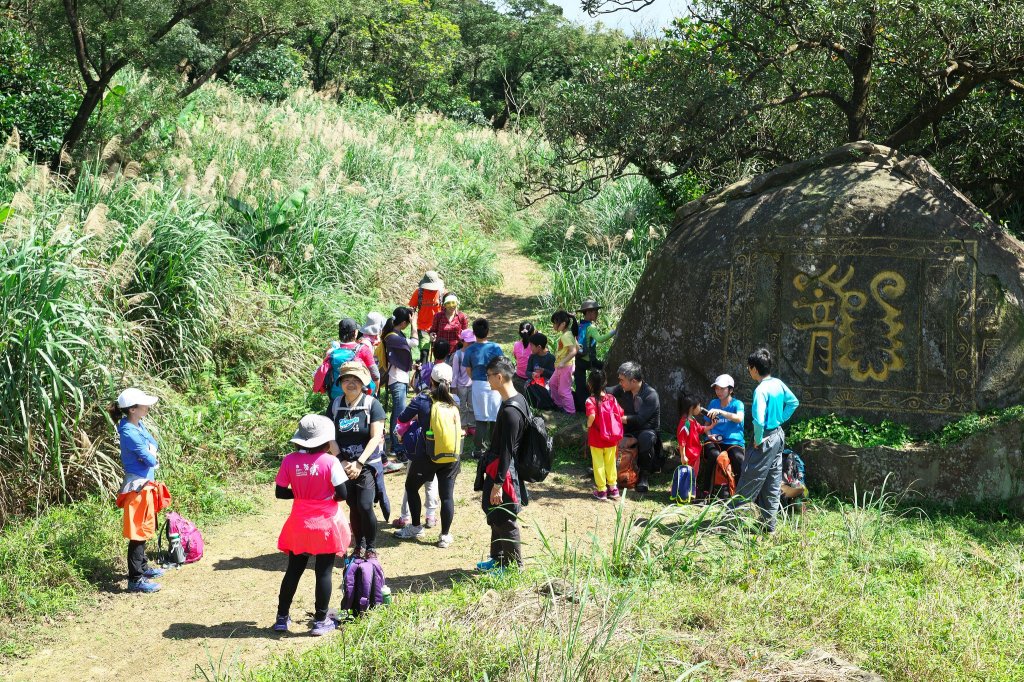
(220, 609)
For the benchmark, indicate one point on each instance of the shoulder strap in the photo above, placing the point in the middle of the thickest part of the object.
(419, 298)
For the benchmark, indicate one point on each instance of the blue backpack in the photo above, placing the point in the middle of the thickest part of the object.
(683, 485)
(338, 357)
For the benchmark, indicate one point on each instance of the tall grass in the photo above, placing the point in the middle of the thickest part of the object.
(599, 248)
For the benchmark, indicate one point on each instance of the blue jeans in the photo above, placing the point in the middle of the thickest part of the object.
(399, 390)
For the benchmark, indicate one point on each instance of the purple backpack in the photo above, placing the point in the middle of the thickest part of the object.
(364, 582)
(191, 538)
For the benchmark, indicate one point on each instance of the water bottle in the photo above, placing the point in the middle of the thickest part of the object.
(385, 593)
(175, 552)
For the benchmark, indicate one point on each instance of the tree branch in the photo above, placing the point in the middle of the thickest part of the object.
(78, 39)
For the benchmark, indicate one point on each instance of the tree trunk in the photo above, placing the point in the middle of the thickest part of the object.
(73, 135)
(857, 115)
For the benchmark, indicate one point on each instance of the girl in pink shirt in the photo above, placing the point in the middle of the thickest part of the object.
(521, 350)
(313, 478)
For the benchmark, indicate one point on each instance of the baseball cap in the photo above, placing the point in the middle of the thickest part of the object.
(467, 336)
(130, 397)
(348, 326)
(725, 381)
(442, 372)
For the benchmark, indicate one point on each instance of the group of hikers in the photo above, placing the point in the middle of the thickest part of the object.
(464, 388)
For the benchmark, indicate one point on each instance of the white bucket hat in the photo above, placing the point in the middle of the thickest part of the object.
(130, 397)
(442, 372)
(374, 324)
(314, 430)
(725, 381)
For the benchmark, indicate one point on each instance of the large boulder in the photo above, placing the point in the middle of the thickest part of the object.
(986, 466)
(880, 289)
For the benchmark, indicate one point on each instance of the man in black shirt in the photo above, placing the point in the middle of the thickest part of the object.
(501, 501)
(642, 419)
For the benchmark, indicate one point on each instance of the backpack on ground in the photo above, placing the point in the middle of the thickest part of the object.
(793, 486)
(364, 585)
(625, 463)
(444, 437)
(608, 418)
(186, 547)
(723, 483)
(534, 458)
(683, 484)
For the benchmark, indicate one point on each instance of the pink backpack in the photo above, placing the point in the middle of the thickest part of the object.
(190, 537)
(608, 417)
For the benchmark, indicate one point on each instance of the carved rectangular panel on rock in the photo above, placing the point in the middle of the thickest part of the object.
(861, 322)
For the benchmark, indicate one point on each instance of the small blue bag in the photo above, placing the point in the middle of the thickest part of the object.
(683, 485)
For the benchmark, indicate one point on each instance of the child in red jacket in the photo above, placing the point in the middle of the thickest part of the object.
(689, 431)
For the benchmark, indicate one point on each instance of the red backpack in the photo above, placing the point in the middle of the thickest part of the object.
(608, 417)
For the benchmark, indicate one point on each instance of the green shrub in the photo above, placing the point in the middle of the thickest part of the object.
(34, 98)
(269, 73)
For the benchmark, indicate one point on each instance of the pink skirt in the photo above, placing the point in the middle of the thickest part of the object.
(315, 527)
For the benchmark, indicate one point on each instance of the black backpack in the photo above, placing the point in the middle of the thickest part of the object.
(534, 457)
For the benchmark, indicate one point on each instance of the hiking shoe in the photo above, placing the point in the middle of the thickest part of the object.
(600, 495)
(282, 623)
(486, 565)
(445, 541)
(401, 457)
(470, 430)
(409, 532)
(430, 522)
(641, 485)
(613, 493)
(370, 554)
(143, 585)
(152, 572)
(392, 467)
(400, 523)
(478, 454)
(323, 627)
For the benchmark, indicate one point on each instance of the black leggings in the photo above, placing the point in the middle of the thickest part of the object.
(362, 493)
(296, 565)
(421, 471)
(137, 563)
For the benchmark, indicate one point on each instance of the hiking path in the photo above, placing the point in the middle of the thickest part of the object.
(214, 616)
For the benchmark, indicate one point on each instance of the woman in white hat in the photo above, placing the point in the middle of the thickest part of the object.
(437, 412)
(450, 322)
(140, 495)
(314, 479)
(726, 435)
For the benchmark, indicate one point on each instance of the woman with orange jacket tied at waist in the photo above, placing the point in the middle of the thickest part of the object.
(140, 495)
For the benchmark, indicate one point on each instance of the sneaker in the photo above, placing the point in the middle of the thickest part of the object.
(641, 486)
(477, 454)
(600, 495)
(445, 541)
(392, 467)
(370, 554)
(143, 585)
(470, 430)
(486, 565)
(323, 627)
(613, 493)
(409, 532)
(400, 523)
(152, 572)
(282, 623)
(401, 458)
(430, 522)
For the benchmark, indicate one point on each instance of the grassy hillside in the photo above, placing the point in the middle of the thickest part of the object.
(209, 264)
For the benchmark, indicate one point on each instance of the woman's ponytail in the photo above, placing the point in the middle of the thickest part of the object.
(442, 392)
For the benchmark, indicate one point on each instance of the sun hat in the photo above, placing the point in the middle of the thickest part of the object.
(725, 381)
(589, 304)
(314, 430)
(431, 281)
(354, 369)
(467, 336)
(374, 324)
(130, 397)
(442, 372)
(347, 326)
(450, 298)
